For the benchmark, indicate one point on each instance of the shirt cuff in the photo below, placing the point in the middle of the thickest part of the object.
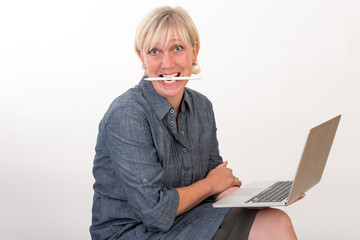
(165, 211)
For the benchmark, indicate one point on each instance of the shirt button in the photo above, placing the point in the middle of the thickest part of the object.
(185, 150)
(187, 168)
(172, 111)
(182, 132)
(171, 123)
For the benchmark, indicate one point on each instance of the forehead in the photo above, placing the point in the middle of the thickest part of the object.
(165, 36)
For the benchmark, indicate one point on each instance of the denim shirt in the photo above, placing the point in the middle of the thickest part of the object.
(144, 152)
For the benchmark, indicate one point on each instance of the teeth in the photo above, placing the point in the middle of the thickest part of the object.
(170, 76)
(167, 77)
(169, 81)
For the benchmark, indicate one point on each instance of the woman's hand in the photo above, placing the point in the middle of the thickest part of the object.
(299, 198)
(221, 178)
(218, 180)
(226, 192)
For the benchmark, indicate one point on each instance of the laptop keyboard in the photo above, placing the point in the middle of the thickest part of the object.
(275, 193)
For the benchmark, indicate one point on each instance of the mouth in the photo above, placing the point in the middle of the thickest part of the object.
(170, 76)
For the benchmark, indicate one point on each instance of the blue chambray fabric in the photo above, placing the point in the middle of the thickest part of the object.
(142, 154)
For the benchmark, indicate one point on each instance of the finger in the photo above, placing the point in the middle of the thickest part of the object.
(302, 196)
(299, 198)
(224, 164)
(237, 182)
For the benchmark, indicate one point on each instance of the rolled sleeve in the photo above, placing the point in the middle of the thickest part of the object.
(139, 169)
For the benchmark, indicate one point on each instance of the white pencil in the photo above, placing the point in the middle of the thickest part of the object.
(174, 78)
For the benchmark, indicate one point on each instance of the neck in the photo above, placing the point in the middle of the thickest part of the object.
(175, 102)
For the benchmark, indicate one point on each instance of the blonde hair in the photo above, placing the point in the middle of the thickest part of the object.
(175, 19)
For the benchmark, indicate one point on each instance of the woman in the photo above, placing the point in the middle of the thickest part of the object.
(157, 165)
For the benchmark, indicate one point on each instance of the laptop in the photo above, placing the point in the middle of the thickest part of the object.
(283, 193)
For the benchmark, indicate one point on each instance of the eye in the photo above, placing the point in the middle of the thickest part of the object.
(153, 51)
(178, 48)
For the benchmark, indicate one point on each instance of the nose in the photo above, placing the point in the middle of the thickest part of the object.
(167, 61)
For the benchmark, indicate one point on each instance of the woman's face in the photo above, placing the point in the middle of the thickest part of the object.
(170, 58)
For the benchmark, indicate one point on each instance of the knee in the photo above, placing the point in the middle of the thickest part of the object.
(272, 223)
(281, 219)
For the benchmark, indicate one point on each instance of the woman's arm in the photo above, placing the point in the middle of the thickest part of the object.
(136, 165)
(218, 180)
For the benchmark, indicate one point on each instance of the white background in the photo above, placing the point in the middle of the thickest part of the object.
(273, 69)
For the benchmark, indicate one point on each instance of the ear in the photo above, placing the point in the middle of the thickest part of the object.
(141, 58)
(195, 51)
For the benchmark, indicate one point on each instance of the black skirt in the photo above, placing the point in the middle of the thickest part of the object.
(236, 224)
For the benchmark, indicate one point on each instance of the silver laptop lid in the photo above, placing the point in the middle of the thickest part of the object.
(314, 157)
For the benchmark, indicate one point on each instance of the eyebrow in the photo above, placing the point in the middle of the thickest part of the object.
(171, 41)
(175, 40)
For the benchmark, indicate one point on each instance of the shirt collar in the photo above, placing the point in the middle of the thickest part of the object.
(186, 100)
(158, 103)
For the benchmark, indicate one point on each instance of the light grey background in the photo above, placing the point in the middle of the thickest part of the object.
(273, 69)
